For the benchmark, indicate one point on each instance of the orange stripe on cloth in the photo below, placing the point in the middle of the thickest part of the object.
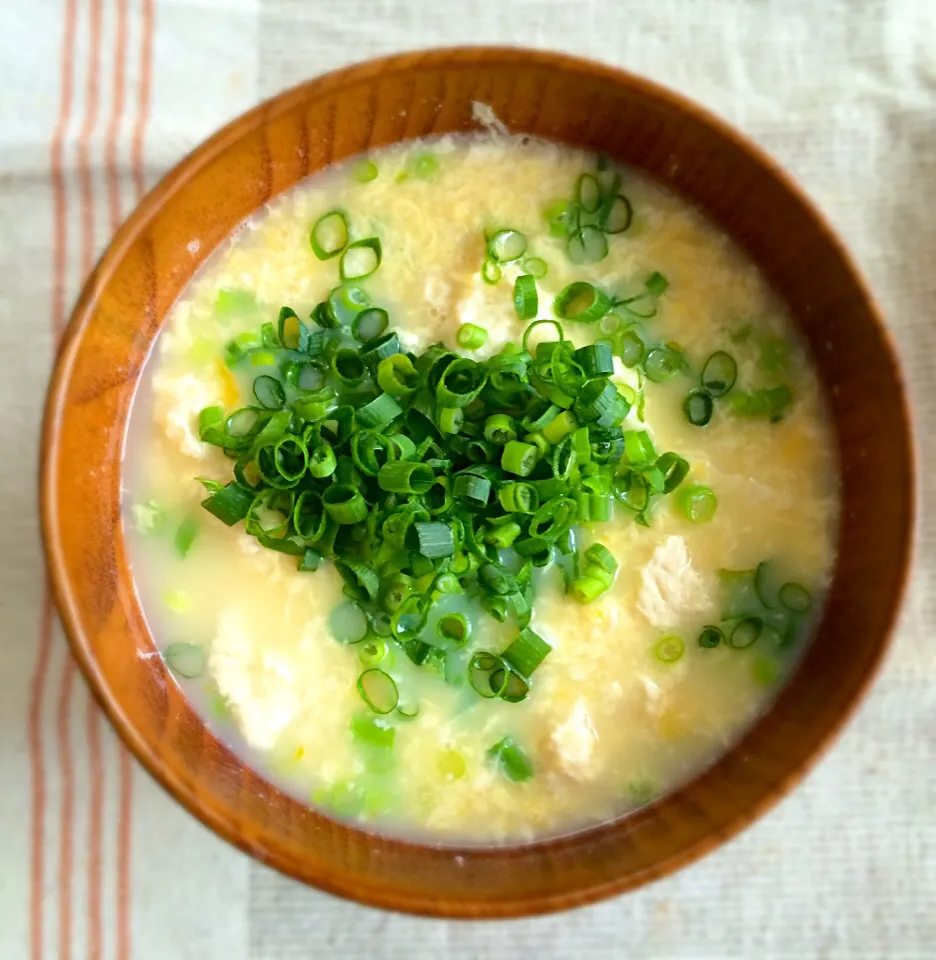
(40, 675)
(66, 759)
(93, 721)
(125, 762)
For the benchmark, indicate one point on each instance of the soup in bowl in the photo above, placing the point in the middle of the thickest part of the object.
(480, 493)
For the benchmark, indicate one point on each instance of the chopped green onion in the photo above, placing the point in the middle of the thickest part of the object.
(379, 412)
(511, 760)
(434, 539)
(587, 193)
(536, 267)
(669, 649)
(344, 504)
(525, 298)
(370, 324)
(186, 533)
(770, 403)
(595, 359)
(361, 259)
(674, 469)
(656, 284)
(526, 653)
(581, 302)
(617, 215)
(348, 367)
(378, 690)
(710, 637)
(372, 732)
(397, 376)
(230, 504)
(490, 272)
(330, 234)
(519, 458)
(365, 170)
(471, 337)
(500, 429)
(505, 246)
(269, 393)
(403, 476)
(587, 244)
(663, 363)
(719, 373)
(186, 659)
(746, 633)
(698, 407)
(697, 503)
(483, 670)
(795, 597)
(453, 629)
(348, 623)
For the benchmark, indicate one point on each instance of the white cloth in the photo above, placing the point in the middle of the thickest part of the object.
(842, 92)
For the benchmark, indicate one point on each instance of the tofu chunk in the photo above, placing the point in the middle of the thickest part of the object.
(572, 743)
(178, 401)
(670, 587)
(258, 685)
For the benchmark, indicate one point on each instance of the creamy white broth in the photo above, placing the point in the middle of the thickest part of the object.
(607, 725)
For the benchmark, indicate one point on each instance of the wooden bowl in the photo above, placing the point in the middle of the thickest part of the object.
(381, 102)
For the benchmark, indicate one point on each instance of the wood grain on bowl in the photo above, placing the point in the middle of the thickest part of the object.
(266, 152)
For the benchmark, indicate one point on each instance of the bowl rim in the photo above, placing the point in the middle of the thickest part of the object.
(184, 170)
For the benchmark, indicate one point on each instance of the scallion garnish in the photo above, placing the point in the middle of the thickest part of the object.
(330, 234)
(186, 659)
(378, 690)
(581, 302)
(526, 301)
(511, 760)
(669, 649)
(711, 637)
(719, 373)
(506, 246)
(453, 629)
(470, 336)
(697, 503)
(698, 407)
(413, 473)
(361, 259)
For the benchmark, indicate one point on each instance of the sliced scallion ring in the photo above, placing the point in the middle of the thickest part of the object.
(536, 267)
(711, 637)
(697, 503)
(186, 659)
(698, 407)
(587, 193)
(795, 597)
(587, 244)
(617, 215)
(269, 393)
(719, 373)
(746, 633)
(669, 649)
(490, 272)
(453, 629)
(378, 690)
(370, 324)
(483, 669)
(361, 259)
(582, 302)
(330, 234)
(525, 298)
(506, 246)
(471, 337)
